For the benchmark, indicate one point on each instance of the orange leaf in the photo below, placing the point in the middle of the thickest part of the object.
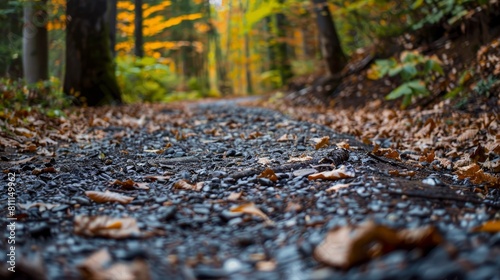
(251, 209)
(103, 197)
(183, 184)
(489, 226)
(336, 174)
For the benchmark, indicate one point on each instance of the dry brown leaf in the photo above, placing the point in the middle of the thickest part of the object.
(265, 265)
(427, 157)
(300, 159)
(107, 196)
(160, 178)
(234, 196)
(386, 152)
(477, 175)
(264, 161)
(98, 267)
(337, 187)
(347, 246)
(467, 135)
(41, 206)
(251, 209)
(269, 174)
(336, 174)
(131, 185)
(321, 142)
(183, 184)
(343, 145)
(105, 226)
(286, 138)
(492, 226)
(255, 135)
(37, 171)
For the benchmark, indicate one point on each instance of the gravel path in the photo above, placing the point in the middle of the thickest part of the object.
(190, 234)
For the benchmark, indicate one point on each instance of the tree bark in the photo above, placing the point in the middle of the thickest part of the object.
(90, 75)
(330, 46)
(35, 42)
(112, 14)
(281, 48)
(138, 29)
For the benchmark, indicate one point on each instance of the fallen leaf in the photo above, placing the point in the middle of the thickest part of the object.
(386, 152)
(41, 206)
(347, 246)
(160, 178)
(37, 171)
(131, 185)
(285, 138)
(98, 267)
(251, 209)
(300, 159)
(234, 196)
(21, 161)
(255, 135)
(265, 265)
(337, 187)
(336, 174)
(264, 161)
(344, 145)
(477, 175)
(321, 142)
(467, 135)
(183, 184)
(492, 226)
(269, 174)
(106, 226)
(107, 196)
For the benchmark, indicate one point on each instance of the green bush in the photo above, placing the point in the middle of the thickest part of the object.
(415, 70)
(144, 79)
(46, 97)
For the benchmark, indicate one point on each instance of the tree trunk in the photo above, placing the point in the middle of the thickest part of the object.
(246, 45)
(331, 49)
(90, 75)
(138, 29)
(281, 48)
(112, 14)
(35, 42)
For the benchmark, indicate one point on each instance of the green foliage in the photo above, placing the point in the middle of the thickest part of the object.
(415, 71)
(144, 79)
(462, 81)
(484, 86)
(303, 67)
(434, 11)
(271, 79)
(46, 97)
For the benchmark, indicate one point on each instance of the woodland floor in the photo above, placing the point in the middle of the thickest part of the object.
(217, 190)
(201, 205)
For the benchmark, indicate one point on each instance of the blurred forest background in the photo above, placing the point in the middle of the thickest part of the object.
(161, 51)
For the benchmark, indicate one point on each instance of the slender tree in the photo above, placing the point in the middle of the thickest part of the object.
(35, 41)
(246, 45)
(330, 46)
(90, 72)
(112, 14)
(138, 29)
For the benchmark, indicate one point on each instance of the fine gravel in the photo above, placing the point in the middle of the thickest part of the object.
(196, 236)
